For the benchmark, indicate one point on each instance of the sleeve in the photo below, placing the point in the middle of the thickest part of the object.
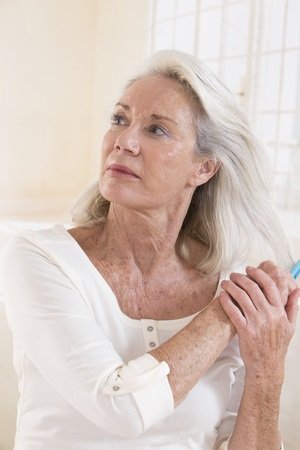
(58, 332)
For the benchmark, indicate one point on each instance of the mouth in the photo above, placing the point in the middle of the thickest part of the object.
(118, 169)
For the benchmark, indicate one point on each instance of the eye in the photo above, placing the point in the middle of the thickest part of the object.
(158, 130)
(117, 119)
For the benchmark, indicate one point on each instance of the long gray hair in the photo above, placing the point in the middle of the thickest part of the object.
(231, 213)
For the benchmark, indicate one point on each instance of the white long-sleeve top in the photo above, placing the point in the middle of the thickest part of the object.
(86, 380)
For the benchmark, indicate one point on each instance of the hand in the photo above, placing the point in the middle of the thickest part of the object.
(255, 305)
(282, 278)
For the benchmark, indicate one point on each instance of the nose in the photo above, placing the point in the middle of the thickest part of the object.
(128, 141)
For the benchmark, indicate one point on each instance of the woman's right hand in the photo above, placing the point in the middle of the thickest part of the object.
(265, 318)
(281, 277)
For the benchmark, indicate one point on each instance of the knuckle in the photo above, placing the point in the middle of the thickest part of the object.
(243, 296)
(256, 290)
(267, 264)
(270, 284)
(278, 273)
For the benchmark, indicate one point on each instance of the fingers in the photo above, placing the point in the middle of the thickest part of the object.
(232, 310)
(256, 292)
(266, 284)
(282, 278)
(253, 292)
(292, 307)
(241, 289)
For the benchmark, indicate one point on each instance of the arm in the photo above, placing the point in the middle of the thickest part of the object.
(195, 348)
(192, 351)
(54, 322)
(265, 327)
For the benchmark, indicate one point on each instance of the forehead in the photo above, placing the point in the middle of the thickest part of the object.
(158, 93)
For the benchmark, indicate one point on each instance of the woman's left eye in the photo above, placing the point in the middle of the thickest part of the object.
(158, 130)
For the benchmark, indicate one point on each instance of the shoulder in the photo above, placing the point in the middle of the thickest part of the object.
(27, 244)
(86, 237)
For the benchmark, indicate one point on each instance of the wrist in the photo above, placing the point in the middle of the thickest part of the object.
(217, 314)
(263, 388)
(262, 380)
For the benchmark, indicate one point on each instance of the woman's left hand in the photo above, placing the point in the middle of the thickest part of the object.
(264, 314)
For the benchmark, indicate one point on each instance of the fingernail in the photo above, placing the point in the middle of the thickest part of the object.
(250, 268)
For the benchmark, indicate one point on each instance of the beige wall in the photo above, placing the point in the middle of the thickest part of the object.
(121, 40)
(61, 63)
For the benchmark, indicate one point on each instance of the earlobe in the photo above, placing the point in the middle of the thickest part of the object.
(206, 170)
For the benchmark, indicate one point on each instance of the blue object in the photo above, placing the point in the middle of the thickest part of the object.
(296, 270)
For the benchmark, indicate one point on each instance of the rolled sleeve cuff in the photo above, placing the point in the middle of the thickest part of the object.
(146, 380)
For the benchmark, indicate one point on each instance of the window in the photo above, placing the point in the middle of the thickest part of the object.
(254, 46)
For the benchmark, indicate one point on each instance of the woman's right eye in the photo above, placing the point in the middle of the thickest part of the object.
(117, 119)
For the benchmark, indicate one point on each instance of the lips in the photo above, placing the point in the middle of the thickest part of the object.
(118, 168)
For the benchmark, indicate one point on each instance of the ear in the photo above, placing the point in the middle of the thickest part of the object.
(205, 169)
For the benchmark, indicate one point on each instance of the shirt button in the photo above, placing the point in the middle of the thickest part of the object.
(116, 388)
(152, 344)
(150, 328)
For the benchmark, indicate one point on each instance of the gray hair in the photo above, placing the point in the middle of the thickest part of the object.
(231, 213)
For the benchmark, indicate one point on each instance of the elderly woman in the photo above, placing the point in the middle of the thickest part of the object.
(143, 327)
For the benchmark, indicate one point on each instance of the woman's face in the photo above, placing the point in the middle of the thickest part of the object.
(148, 153)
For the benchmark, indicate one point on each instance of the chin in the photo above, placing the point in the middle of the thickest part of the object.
(119, 195)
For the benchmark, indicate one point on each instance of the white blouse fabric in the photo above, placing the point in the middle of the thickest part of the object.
(86, 380)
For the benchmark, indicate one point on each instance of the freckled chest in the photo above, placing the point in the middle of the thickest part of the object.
(172, 295)
(174, 292)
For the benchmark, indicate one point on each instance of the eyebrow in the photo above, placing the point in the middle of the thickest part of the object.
(153, 116)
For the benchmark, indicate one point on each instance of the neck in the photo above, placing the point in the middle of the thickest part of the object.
(144, 238)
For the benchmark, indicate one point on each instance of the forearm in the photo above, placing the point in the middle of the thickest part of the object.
(257, 424)
(194, 349)
(265, 322)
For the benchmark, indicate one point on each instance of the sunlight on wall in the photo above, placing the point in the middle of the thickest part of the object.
(46, 74)
(62, 62)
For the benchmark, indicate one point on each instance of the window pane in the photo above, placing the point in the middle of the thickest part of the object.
(236, 31)
(268, 83)
(205, 4)
(163, 35)
(273, 17)
(294, 197)
(209, 34)
(296, 128)
(234, 74)
(185, 34)
(282, 189)
(293, 27)
(186, 6)
(291, 81)
(265, 127)
(288, 129)
(165, 9)
(283, 159)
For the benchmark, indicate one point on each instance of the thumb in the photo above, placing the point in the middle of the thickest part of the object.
(292, 306)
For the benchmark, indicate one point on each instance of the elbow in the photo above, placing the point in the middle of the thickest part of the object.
(129, 431)
(121, 418)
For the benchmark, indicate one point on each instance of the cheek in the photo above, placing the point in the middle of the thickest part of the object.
(107, 143)
(107, 147)
(176, 160)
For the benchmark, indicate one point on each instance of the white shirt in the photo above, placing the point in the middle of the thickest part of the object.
(86, 380)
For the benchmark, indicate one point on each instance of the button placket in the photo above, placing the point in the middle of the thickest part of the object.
(150, 334)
